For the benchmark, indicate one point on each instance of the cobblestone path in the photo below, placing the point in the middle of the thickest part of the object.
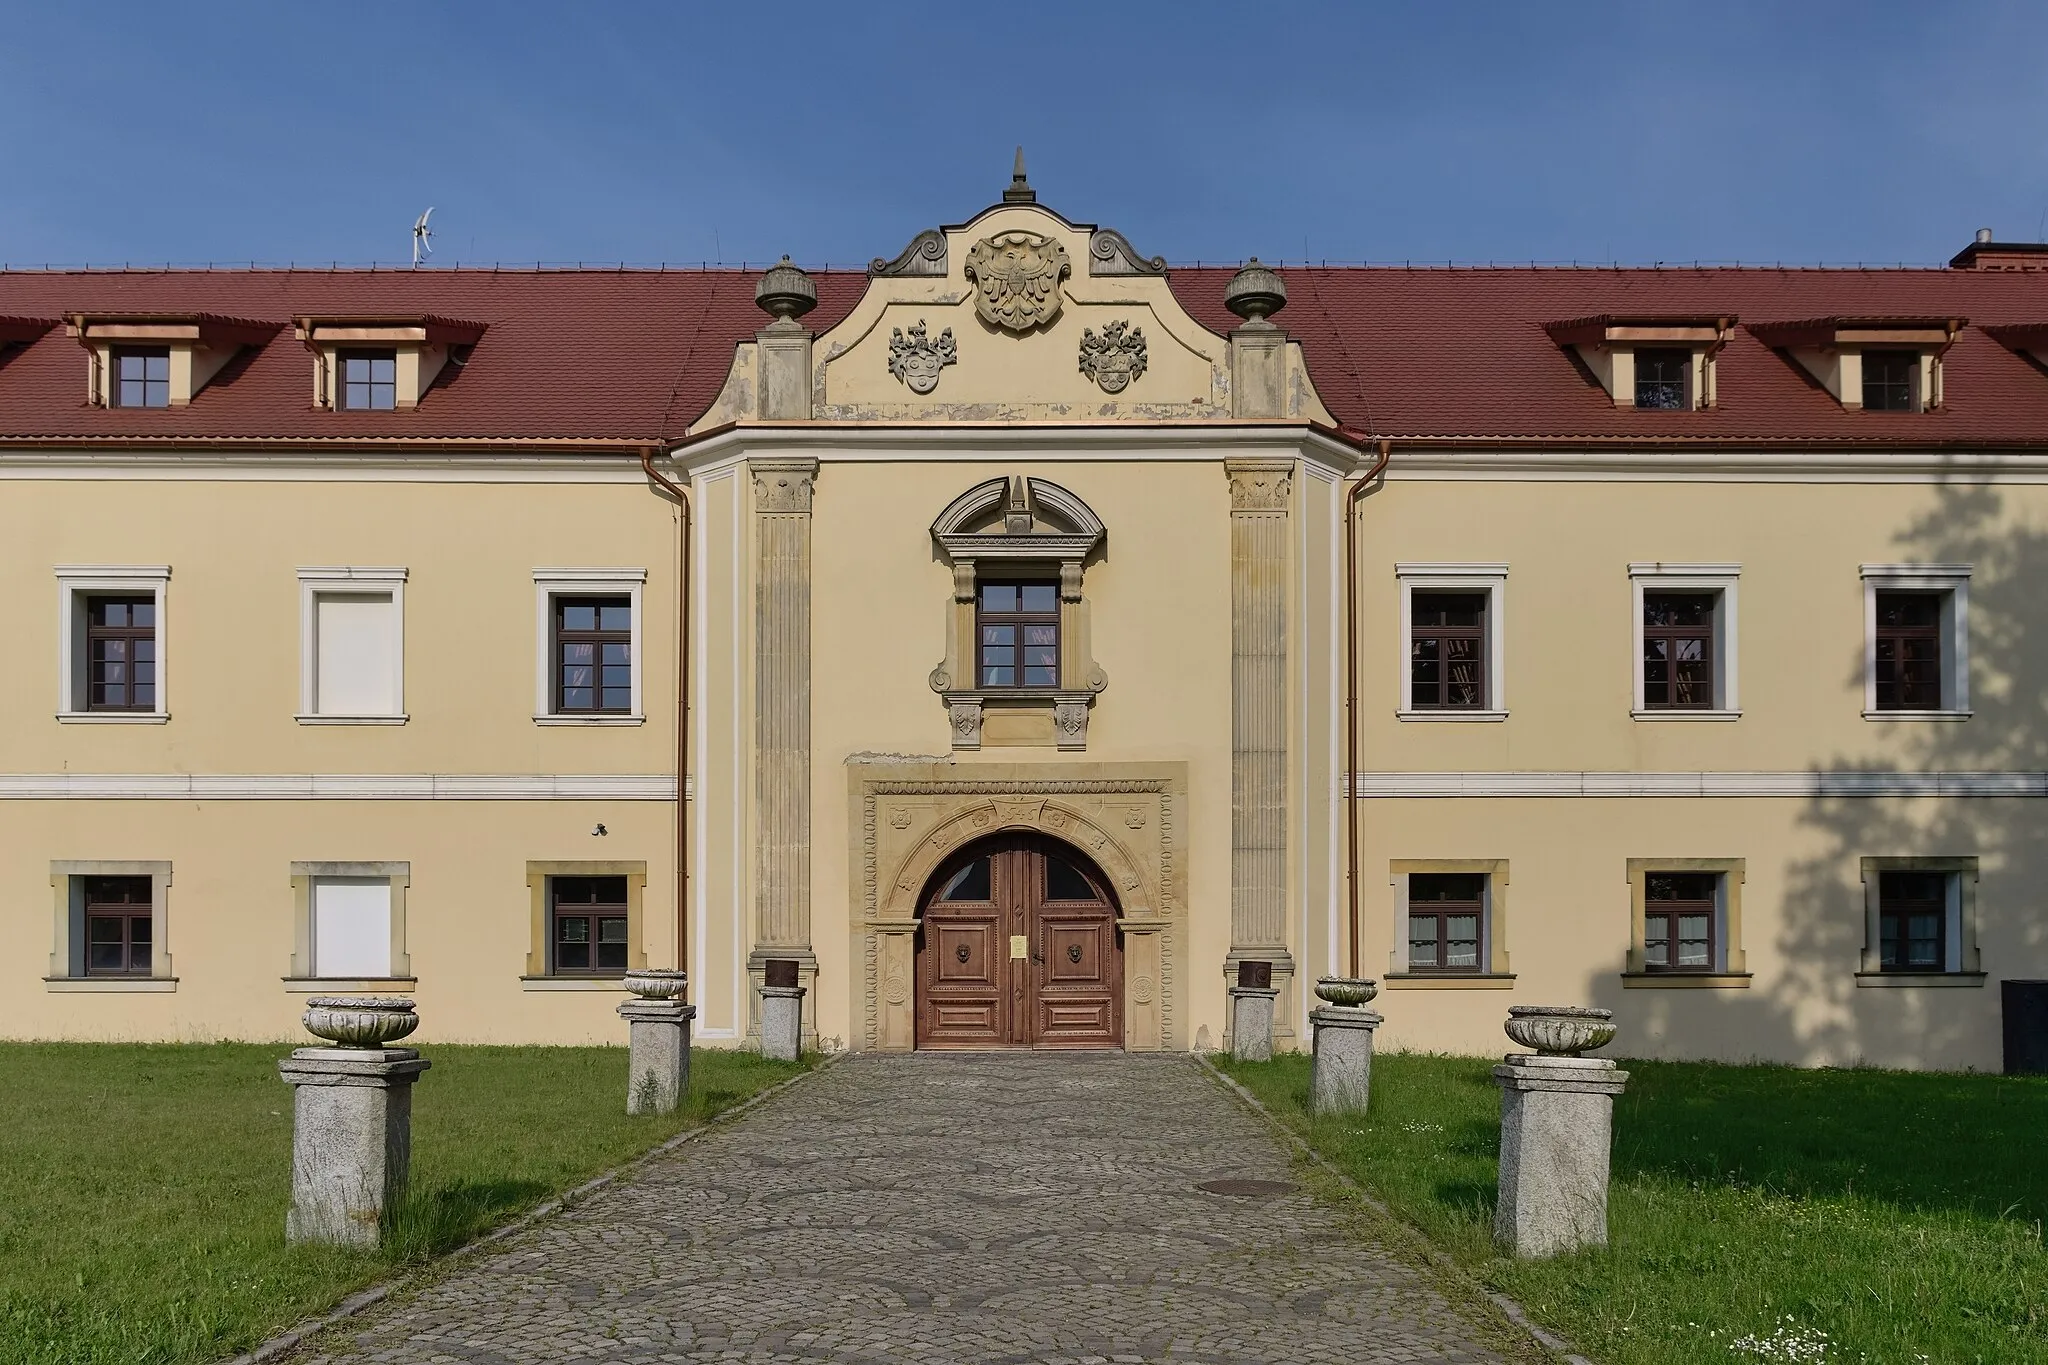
(994, 1208)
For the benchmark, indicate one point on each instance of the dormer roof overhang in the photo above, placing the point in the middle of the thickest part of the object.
(15, 331)
(2031, 337)
(388, 330)
(1833, 332)
(1641, 329)
(208, 331)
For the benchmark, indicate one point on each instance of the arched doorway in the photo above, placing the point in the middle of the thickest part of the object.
(1017, 946)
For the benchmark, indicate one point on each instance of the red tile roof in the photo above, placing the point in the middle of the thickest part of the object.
(573, 355)
(624, 356)
(1463, 352)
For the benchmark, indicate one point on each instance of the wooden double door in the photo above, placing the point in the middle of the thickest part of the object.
(1018, 947)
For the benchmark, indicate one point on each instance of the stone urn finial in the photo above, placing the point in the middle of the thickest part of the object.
(1560, 1030)
(654, 983)
(1255, 293)
(785, 291)
(367, 1021)
(1350, 992)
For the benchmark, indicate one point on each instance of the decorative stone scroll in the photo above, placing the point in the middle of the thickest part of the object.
(1017, 279)
(1115, 358)
(926, 255)
(1111, 253)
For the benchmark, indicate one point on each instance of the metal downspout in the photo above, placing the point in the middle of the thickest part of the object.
(1358, 490)
(647, 455)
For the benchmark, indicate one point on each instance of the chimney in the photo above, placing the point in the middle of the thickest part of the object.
(1988, 254)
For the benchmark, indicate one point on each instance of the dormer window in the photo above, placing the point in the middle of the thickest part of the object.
(1657, 363)
(1883, 364)
(1662, 375)
(369, 380)
(142, 377)
(382, 364)
(159, 360)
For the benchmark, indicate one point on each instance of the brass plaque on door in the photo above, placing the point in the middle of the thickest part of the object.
(1019, 948)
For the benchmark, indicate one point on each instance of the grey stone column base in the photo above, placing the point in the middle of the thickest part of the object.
(1556, 1134)
(782, 1009)
(658, 1054)
(1342, 1081)
(351, 1139)
(1251, 1022)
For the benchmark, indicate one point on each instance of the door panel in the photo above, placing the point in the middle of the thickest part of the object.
(1034, 960)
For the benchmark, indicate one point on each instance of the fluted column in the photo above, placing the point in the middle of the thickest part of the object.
(782, 714)
(1260, 493)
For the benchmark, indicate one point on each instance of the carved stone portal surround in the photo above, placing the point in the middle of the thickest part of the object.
(1029, 527)
(909, 815)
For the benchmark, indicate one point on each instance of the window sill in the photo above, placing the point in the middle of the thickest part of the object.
(1449, 981)
(112, 717)
(590, 720)
(572, 983)
(111, 985)
(353, 720)
(1908, 980)
(1683, 713)
(1699, 981)
(350, 985)
(1452, 713)
(1918, 715)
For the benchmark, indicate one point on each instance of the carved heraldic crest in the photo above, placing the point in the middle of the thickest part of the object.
(1116, 357)
(917, 359)
(1017, 279)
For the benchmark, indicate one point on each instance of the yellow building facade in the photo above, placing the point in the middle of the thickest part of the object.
(972, 633)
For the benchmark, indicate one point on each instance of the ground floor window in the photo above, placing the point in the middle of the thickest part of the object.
(349, 924)
(1446, 912)
(589, 926)
(1685, 923)
(1678, 921)
(119, 928)
(1920, 921)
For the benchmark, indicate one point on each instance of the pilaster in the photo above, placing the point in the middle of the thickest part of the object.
(1260, 494)
(782, 706)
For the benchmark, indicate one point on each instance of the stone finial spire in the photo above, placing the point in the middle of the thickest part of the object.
(1020, 191)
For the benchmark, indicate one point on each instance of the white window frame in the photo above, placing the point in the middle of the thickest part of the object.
(1724, 581)
(1953, 582)
(301, 979)
(1491, 579)
(316, 582)
(77, 582)
(548, 584)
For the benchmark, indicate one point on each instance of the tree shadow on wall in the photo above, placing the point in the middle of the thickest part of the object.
(1809, 1007)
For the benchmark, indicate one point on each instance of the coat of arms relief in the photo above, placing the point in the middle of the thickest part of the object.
(1017, 279)
(1116, 357)
(917, 359)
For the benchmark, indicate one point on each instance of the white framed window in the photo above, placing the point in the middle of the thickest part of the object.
(351, 646)
(580, 676)
(1920, 922)
(1452, 655)
(1916, 641)
(349, 926)
(1683, 641)
(111, 634)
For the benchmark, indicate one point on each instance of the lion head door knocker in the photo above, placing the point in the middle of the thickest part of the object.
(917, 359)
(962, 953)
(1073, 952)
(1017, 279)
(1116, 357)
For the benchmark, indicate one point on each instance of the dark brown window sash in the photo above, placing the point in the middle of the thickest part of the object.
(1908, 657)
(1666, 694)
(148, 390)
(1896, 912)
(378, 395)
(1461, 682)
(1019, 621)
(567, 640)
(124, 905)
(123, 640)
(1670, 913)
(587, 902)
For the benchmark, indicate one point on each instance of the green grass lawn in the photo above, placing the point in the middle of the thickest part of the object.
(143, 1188)
(1757, 1213)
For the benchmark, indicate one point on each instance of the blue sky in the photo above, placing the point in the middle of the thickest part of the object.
(1805, 131)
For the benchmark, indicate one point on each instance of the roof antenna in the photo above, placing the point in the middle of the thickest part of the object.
(1020, 191)
(422, 247)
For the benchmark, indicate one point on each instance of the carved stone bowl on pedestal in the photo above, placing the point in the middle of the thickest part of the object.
(1350, 992)
(653, 983)
(1560, 1030)
(366, 1021)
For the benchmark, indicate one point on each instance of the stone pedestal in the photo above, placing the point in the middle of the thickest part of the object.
(1251, 1022)
(1556, 1129)
(1343, 1059)
(658, 1069)
(351, 1139)
(782, 1012)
